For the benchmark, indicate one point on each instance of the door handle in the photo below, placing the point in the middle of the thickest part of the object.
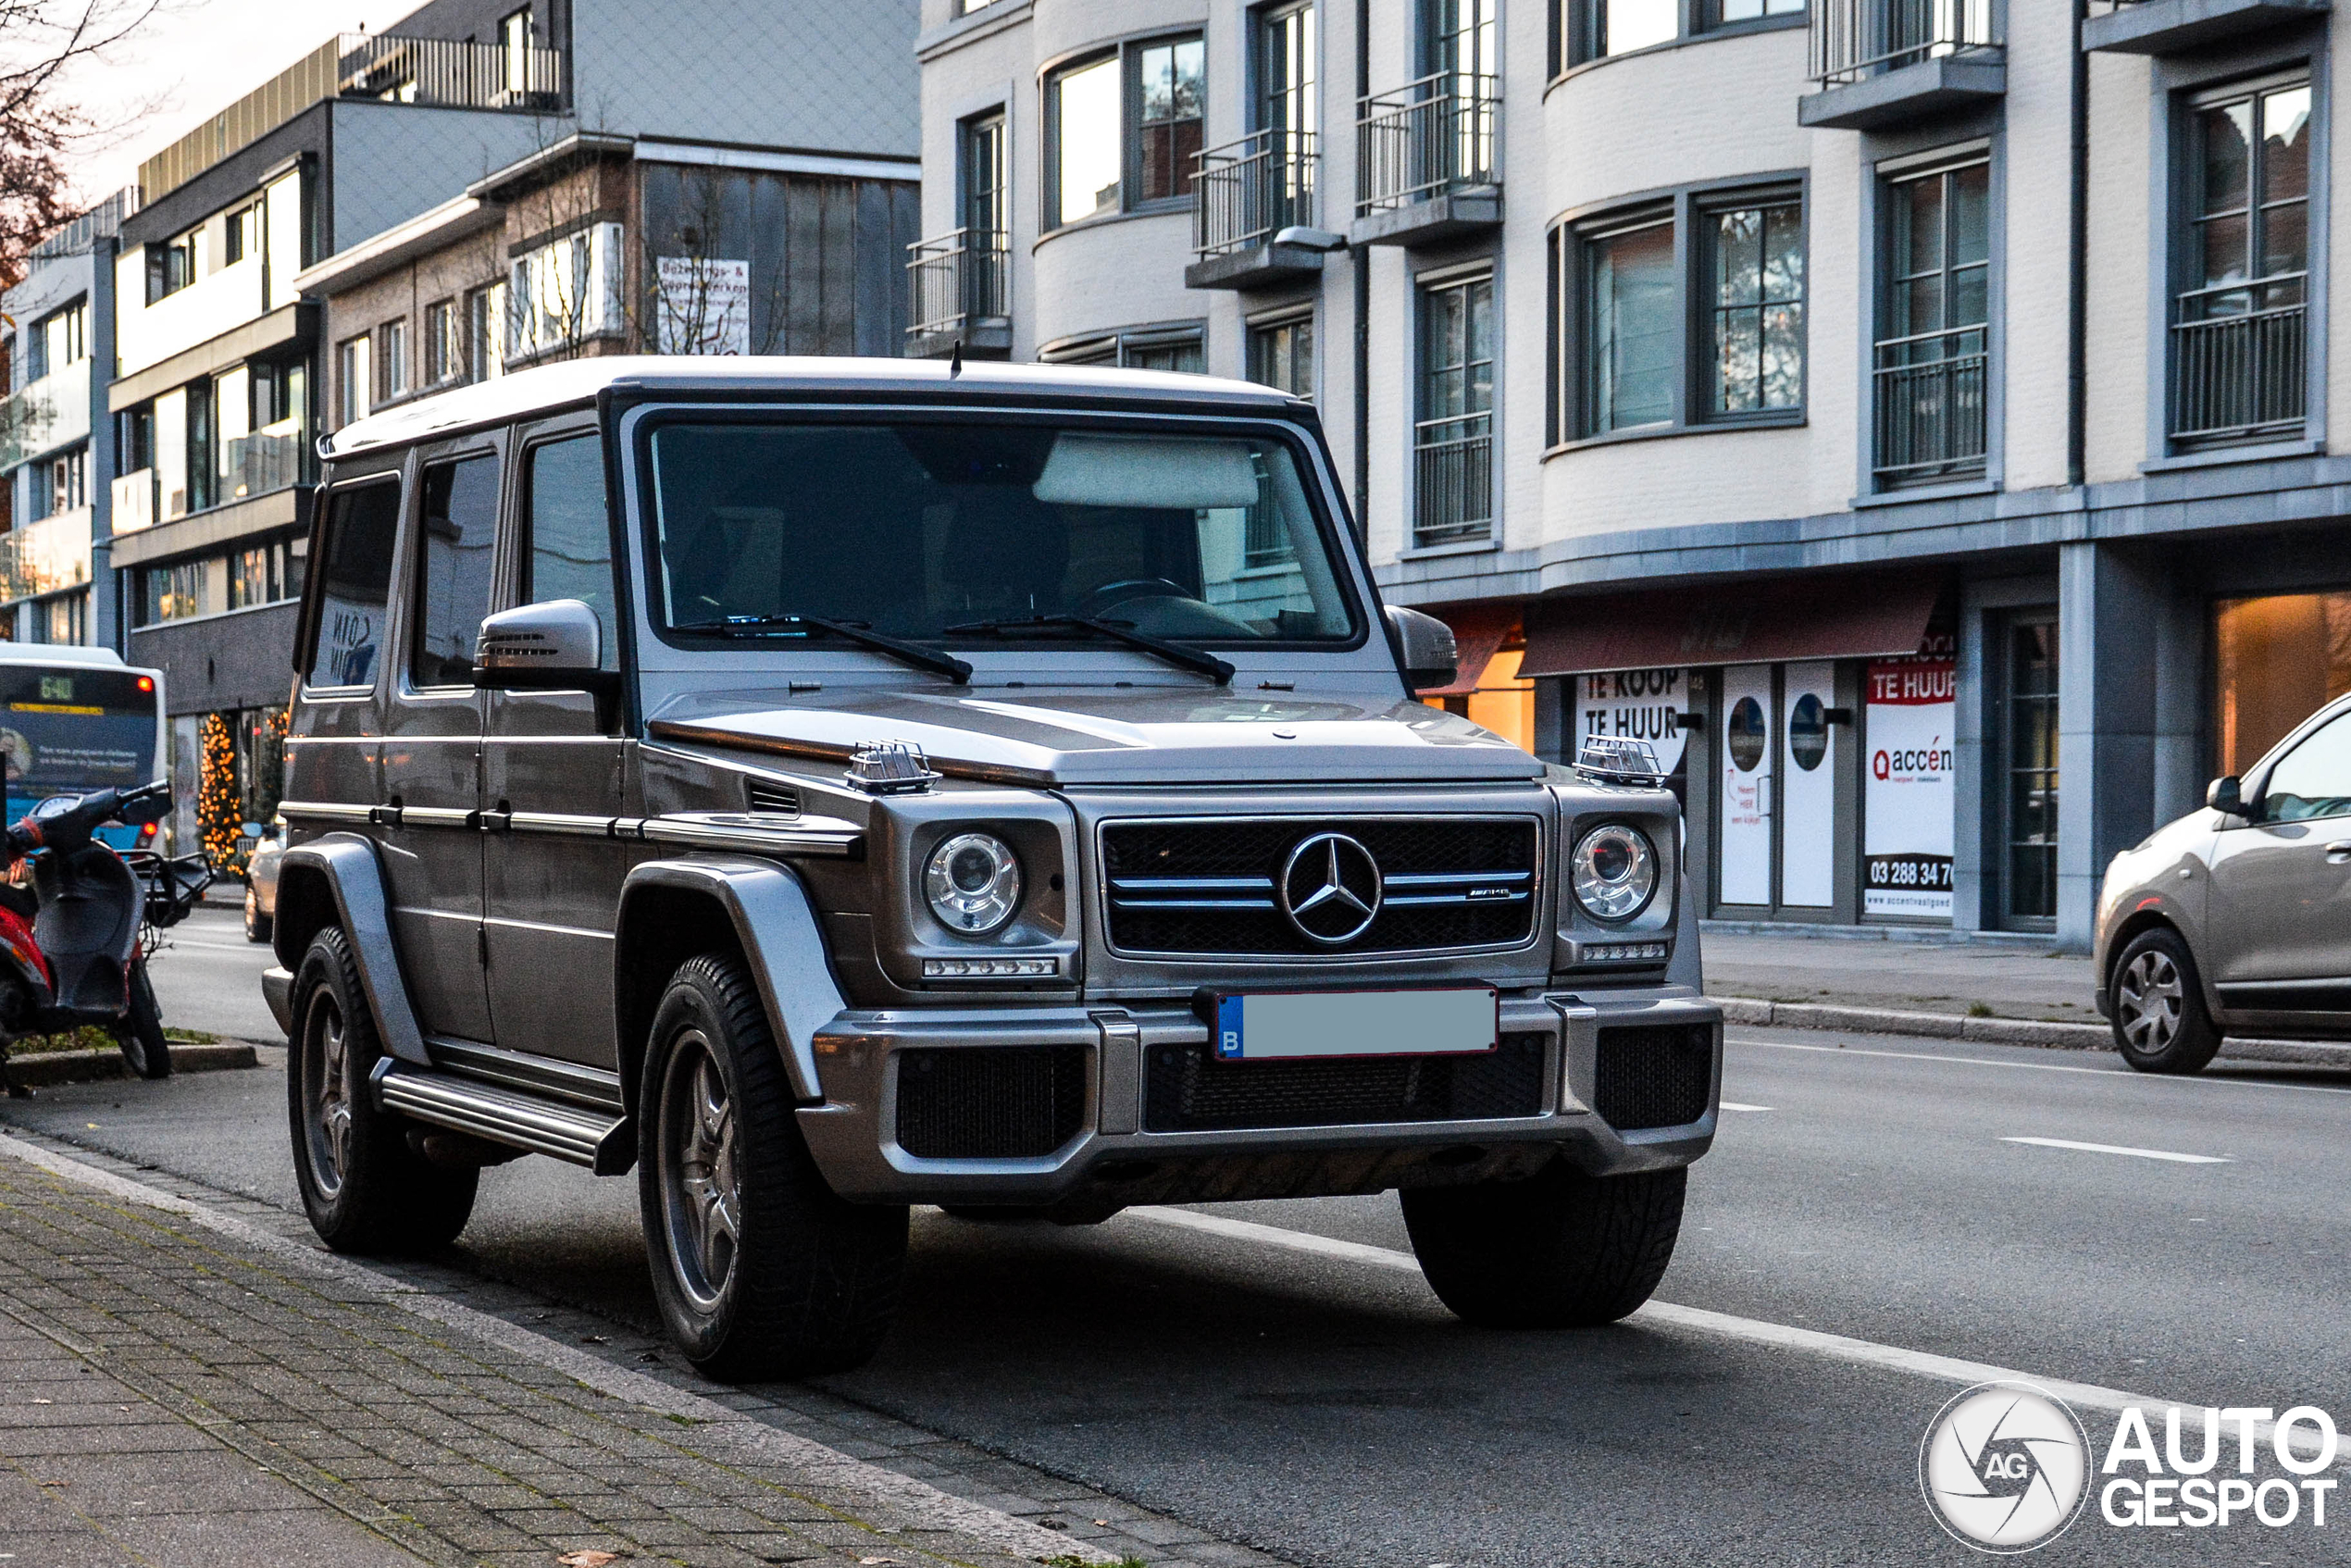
(2339, 851)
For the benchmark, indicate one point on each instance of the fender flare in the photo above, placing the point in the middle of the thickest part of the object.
(348, 863)
(776, 925)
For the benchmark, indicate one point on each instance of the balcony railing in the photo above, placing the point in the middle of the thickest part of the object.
(959, 280)
(1428, 139)
(1856, 39)
(134, 501)
(1248, 191)
(449, 73)
(2239, 375)
(1930, 404)
(1453, 479)
(270, 458)
(47, 414)
(43, 556)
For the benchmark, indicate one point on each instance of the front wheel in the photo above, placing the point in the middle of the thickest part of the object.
(762, 1271)
(2159, 1022)
(1558, 1250)
(256, 924)
(140, 1034)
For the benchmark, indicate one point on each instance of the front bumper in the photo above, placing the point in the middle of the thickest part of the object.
(1111, 1162)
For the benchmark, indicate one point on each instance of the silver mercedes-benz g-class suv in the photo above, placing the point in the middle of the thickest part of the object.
(827, 786)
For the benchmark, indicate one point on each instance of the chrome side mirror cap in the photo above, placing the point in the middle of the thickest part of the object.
(556, 646)
(1424, 646)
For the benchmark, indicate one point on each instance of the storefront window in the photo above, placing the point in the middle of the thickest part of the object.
(2280, 659)
(2032, 770)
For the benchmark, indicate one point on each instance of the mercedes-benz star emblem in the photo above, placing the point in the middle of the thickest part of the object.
(1331, 888)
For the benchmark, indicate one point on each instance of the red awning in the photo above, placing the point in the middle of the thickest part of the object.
(1479, 632)
(1811, 615)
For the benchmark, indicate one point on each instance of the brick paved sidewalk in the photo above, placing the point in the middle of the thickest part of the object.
(177, 1392)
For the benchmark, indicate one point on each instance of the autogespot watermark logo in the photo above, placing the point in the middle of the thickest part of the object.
(2005, 1467)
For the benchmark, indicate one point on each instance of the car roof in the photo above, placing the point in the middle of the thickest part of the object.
(548, 388)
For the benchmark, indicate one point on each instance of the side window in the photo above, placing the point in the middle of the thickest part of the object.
(453, 569)
(570, 539)
(354, 571)
(2313, 780)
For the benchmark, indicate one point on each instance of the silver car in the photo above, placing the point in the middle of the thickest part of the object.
(2236, 919)
(828, 786)
(261, 880)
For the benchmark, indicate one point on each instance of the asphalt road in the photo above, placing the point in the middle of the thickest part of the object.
(1327, 1409)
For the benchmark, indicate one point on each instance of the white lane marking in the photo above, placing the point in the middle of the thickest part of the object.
(2122, 1149)
(1833, 1346)
(1734, 1106)
(2118, 1072)
(256, 948)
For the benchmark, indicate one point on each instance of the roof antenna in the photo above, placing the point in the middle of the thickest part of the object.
(955, 360)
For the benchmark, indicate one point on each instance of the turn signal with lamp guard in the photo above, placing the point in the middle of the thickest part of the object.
(990, 968)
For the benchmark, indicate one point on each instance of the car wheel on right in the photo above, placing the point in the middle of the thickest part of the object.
(2161, 1024)
(1557, 1250)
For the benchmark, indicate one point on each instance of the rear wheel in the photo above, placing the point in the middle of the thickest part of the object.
(1558, 1250)
(141, 1033)
(2161, 1024)
(256, 924)
(762, 1271)
(364, 1188)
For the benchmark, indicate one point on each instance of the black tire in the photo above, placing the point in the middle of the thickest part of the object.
(140, 1036)
(2159, 1022)
(258, 924)
(761, 1270)
(364, 1188)
(1559, 1250)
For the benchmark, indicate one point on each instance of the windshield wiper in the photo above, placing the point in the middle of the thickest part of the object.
(912, 654)
(1175, 653)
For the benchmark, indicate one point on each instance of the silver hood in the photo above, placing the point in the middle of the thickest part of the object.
(1047, 739)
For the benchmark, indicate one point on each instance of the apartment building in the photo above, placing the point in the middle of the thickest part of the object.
(56, 441)
(1910, 417)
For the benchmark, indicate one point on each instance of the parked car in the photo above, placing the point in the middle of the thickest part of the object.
(261, 880)
(828, 786)
(2236, 919)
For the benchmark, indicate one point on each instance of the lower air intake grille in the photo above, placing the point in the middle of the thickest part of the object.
(1019, 1103)
(1654, 1074)
(1185, 1090)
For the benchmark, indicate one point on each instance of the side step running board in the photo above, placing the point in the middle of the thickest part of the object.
(604, 1143)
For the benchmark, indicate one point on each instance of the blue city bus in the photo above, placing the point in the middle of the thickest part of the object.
(76, 720)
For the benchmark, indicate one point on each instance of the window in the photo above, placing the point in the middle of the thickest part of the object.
(1629, 317)
(1594, 29)
(2278, 659)
(1169, 100)
(2032, 747)
(391, 360)
(1082, 137)
(252, 577)
(1725, 11)
(173, 264)
(1453, 435)
(444, 344)
(1933, 357)
(1619, 27)
(983, 166)
(2313, 780)
(513, 41)
(458, 533)
(65, 619)
(566, 291)
(570, 536)
(486, 332)
(57, 340)
(2239, 355)
(1287, 55)
(241, 235)
(1176, 354)
(1756, 331)
(1281, 354)
(354, 584)
(965, 7)
(355, 382)
(202, 448)
(175, 592)
(61, 483)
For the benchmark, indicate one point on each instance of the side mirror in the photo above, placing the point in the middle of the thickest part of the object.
(2225, 794)
(556, 646)
(1426, 646)
(139, 814)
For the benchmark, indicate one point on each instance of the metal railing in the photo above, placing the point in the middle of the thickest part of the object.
(1247, 192)
(1426, 138)
(46, 554)
(958, 279)
(1856, 39)
(449, 72)
(1929, 417)
(134, 501)
(1453, 479)
(2234, 375)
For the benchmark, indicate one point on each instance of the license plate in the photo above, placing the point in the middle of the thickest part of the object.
(1291, 1026)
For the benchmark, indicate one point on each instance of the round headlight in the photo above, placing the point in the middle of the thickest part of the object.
(1613, 871)
(973, 882)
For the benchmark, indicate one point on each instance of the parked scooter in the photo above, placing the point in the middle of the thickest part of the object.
(74, 948)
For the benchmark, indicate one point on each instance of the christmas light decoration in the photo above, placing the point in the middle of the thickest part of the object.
(220, 818)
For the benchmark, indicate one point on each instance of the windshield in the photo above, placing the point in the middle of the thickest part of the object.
(957, 531)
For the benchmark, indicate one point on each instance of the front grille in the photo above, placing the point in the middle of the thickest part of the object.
(1186, 1089)
(1009, 1104)
(1207, 886)
(1654, 1074)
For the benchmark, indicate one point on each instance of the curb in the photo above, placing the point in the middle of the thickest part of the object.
(47, 1068)
(1755, 1011)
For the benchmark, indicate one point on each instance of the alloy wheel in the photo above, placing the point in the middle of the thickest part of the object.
(2151, 1000)
(701, 1200)
(326, 1087)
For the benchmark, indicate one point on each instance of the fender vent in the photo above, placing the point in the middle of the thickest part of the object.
(1654, 1074)
(991, 1102)
(766, 795)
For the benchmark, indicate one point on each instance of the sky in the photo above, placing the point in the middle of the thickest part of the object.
(187, 62)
